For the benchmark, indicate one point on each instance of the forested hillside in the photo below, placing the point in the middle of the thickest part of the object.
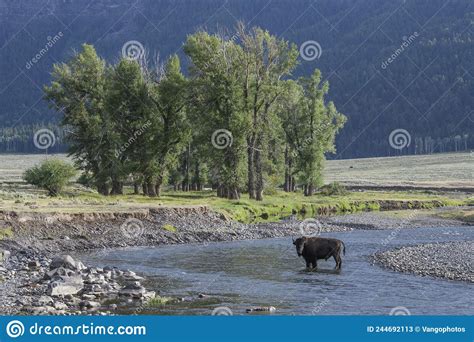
(390, 64)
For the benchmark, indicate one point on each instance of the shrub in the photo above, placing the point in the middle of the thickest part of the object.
(159, 301)
(52, 175)
(169, 228)
(334, 188)
(5, 233)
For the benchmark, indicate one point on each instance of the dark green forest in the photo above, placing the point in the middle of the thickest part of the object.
(380, 77)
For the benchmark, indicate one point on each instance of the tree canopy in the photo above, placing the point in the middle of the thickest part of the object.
(239, 123)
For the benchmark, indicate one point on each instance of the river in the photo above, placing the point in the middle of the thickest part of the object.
(243, 274)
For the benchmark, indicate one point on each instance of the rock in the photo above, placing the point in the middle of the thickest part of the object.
(44, 300)
(133, 290)
(59, 272)
(4, 255)
(269, 309)
(80, 266)
(88, 296)
(202, 295)
(34, 265)
(149, 294)
(65, 261)
(89, 304)
(60, 306)
(67, 286)
(131, 276)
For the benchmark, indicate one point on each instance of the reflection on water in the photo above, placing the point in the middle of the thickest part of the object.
(268, 272)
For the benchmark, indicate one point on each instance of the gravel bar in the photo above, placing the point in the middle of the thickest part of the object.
(451, 260)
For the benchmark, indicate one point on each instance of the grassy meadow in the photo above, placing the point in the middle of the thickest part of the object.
(454, 170)
(445, 170)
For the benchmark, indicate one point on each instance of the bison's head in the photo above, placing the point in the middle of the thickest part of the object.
(299, 243)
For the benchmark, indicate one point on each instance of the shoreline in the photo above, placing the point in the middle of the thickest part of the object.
(447, 260)
(38, 238)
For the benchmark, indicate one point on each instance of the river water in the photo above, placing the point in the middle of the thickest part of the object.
(268, 272)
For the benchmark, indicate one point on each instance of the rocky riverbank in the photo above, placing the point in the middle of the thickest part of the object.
(453, 260)
(38, 278)
(34, 284)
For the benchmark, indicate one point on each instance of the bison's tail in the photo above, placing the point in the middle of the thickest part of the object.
(344, 249)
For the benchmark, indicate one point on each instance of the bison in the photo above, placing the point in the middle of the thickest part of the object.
(314, 248)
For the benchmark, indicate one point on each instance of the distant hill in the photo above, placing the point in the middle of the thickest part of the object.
(391, 64)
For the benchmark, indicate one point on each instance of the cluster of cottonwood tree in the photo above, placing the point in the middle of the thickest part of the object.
(132, 123)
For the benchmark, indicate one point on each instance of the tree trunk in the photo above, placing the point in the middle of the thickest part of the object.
(157, 187)
(259, 173)
(103, 189)
(251, 168)
(145, 189)
(233, 194)
(136, 188)
(151, 189)
(117, 188)
(287, 186)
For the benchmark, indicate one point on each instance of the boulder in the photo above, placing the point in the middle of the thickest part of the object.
(65, 261)
(59, 272)
(133, 290)
(65, 286)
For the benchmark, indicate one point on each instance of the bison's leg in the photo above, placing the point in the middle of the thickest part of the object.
(315, 263)
(308, 264)
(338, 261)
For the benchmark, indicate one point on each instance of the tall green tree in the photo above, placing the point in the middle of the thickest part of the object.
(169, 131)
(130, 110)
(290, 111)
(316, 135)
(78, 91)
(264, 61)
(217, 112)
